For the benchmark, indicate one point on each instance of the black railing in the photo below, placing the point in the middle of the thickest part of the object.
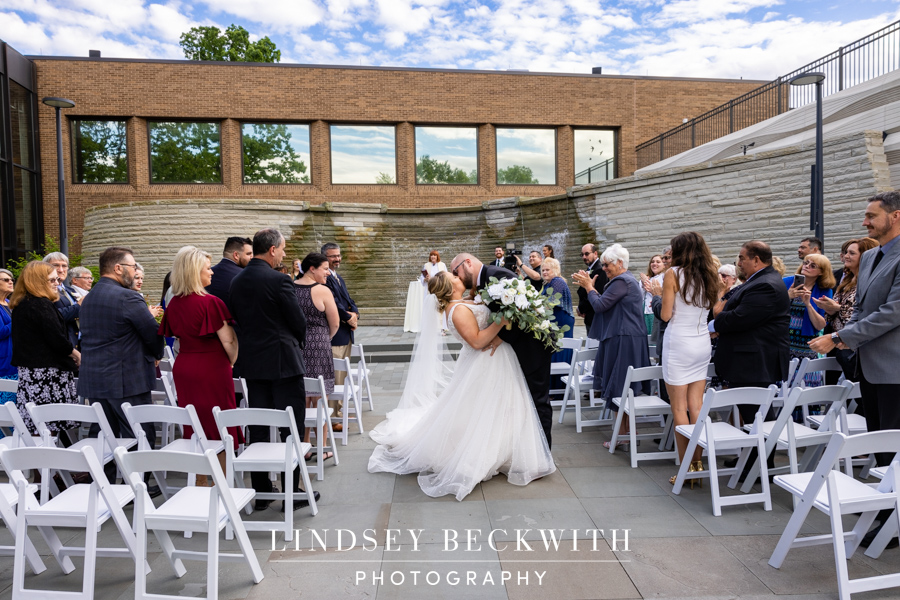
(872, 56)
(600, 172)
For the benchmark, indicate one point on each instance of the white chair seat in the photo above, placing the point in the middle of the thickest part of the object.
(263, 455)
(722, 432)
(12, 441)
(801, 432)
(183, 445)
(103, 453)
(856, 424)
(878, 472)
(11, 494)
(74, 500)
(191, 504)
(310, 416)
(848, 489)
(645, 403)
(560, 368)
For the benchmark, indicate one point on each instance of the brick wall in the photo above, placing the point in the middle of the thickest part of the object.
(638, 108)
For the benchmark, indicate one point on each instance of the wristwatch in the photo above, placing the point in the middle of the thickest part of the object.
(836, 338)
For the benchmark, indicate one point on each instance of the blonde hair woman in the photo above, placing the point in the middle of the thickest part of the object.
(807, 318)
(208, 344)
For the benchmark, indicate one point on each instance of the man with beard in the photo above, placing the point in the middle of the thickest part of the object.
(237, 253)
(591, 257)
(533, 357)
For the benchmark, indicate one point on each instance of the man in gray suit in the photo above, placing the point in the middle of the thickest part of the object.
(874, 329)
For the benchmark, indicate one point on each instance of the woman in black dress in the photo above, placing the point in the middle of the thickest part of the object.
(322, 321)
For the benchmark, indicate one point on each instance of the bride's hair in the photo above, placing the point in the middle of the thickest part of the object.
(442, 287)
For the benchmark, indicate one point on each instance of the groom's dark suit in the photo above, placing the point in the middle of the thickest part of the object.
(534, 357)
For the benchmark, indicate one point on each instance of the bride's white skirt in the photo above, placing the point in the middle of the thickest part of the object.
(483, 423)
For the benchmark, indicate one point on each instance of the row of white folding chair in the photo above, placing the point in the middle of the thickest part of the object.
(638, 409)
(836, 494)
(360, 375)
(715, 437)
(268, 457)
(578, 382)
(564, 368)
(9, 498)
(320, 419)
(81, 505)
(348, 394)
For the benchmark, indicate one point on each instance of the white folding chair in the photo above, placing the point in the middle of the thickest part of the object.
(165, 416)
(196, 509)
(785, 388)
(80, 505)
(837, 494)
(319, 418)
(360, 375)
(642, 407)
(348, 394)
(15, 431)
(169, 354)
(721, 435)
(563, 368)
(785, 434)
(578, 382)
(103, 445)
(240, 387)
(271, 456)
(9, 498)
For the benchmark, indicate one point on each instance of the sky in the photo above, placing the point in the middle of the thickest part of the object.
(753, 39)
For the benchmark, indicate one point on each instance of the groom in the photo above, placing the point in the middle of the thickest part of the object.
(533, 356)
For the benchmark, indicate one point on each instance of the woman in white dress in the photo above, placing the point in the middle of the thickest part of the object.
(432, 267)
(481, 424)
(690, 288)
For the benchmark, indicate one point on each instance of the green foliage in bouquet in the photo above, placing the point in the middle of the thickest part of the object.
(521, 305)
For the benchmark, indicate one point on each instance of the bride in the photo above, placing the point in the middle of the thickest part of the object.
(481, 423)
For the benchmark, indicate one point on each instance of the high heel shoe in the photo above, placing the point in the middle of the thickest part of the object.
(696, 467)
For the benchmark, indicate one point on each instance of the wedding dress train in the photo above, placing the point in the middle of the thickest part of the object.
(481, 424)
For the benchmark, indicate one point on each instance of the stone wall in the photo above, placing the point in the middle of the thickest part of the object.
(763, 196)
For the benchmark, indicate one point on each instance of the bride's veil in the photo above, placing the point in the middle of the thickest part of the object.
(431, 363)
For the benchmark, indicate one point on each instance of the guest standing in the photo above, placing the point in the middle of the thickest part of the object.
(591, 258)
(690, 289)
(67, 304)
(138, 283)
(322, 321)
(207, 343)
(342, 342)
(46, 359)
(654, 268)
(235, 255)
(296, 270)
(80, 281)
(432, 267)
(623, 335)
(807, 319)
(532, 271)
(562, 313)
(548, 251)
(7, 371)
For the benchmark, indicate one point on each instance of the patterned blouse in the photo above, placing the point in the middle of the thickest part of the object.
(845, 298)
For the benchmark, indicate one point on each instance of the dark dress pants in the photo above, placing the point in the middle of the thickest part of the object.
(882, 405)
(276, 394)
(112, 408)
(539, 385)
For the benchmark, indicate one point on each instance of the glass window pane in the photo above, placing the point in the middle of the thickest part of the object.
(446, 155)
(363, 154)
(185, 153)
(101, 151)
(595, 155)
(23, 200)
(20, 112)
(275, 153)
(526, 156)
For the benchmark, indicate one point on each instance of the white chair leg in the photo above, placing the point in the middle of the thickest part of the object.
(837, 537)
(289, 504)
(90, 544)
(616, 426)
(632, 437)
(212, 548)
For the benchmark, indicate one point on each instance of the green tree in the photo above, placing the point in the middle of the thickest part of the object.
(185, 153)
(210, 43)
(51, 244)
(429, 170)
(269, 156)
(516, 174)
(384, 178)
(101, 153)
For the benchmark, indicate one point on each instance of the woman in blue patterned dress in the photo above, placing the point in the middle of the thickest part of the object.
(807, 319)
(562, 314)
(7, 371)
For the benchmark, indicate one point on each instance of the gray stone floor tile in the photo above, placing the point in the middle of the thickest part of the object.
(318, 575)
(553, 485)
(406, 489)
(339, 488)
(356, 518)
(562, 515)
(434, 518)
(584, 455)
(608, 482)
(649, 516)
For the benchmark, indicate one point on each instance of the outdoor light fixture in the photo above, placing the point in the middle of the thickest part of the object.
(60, 103)
(745, 146)
(817, 187)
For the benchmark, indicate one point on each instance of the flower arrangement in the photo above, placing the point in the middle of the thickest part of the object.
(521, 305)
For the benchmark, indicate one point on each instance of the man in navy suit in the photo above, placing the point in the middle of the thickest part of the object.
(68, 303)
(119, 344)
(342, 341)
(237, 253)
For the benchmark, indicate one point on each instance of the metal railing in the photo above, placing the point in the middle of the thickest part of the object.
(599, 172)
(872, 56)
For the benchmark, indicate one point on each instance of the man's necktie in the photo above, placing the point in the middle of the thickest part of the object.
(877, 260)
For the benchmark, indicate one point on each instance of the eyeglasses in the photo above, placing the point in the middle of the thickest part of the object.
(809, 263)
(603, 265)
(6, 280)
(79, 277)
(456, 268)
(667, 258)
(54, 279)
(586, 253)
(127, 265)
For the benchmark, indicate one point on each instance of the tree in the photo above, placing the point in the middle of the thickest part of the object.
(209, 43)
(185, 152)
(429, 170)
(101, 154)
(384, 178)
(269, 156)
(516, 174)
(51, 244)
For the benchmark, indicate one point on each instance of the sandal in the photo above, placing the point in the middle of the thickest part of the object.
(619, 444)
(309, 456)
(327, 455)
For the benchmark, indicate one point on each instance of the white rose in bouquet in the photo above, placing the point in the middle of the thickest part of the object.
(545, 324)
(507, 297)
(541, 310)
(495, 290)
(521, 301)
(478, 300)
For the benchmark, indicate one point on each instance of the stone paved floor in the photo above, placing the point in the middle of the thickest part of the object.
(677, 548)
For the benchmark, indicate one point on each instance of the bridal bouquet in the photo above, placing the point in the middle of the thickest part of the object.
(522, 305)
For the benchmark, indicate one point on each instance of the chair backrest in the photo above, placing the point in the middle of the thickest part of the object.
(156, 413)
(572, 343)
(266, 417)
(315, 386)
(138, 462)
(357, 350)
(9, 385)
(592, 343)
(170, 356)
(24, 459)
(719, 399)
(11, 418)
(71, 412)
(168, 381)
(711, 370)
(842, 446)
(341, 365)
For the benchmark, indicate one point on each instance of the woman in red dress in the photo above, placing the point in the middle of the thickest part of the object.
(208, 344)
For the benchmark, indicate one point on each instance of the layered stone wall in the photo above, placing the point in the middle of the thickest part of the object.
(763, 196)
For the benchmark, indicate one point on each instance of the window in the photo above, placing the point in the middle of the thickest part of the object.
(446, 155)
(185, 152)
(595, 155)
(22, 128)
(363, 154)
(275, 153)
(101, 151)
(526, 156)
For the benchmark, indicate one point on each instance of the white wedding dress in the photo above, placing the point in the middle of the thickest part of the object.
(482, 423)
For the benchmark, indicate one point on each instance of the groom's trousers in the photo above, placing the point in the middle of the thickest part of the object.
(539, 385)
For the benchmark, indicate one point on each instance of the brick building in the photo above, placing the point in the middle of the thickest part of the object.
(499, 120)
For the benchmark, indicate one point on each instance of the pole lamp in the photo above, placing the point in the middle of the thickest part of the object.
(817, 189)
(60, 103)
